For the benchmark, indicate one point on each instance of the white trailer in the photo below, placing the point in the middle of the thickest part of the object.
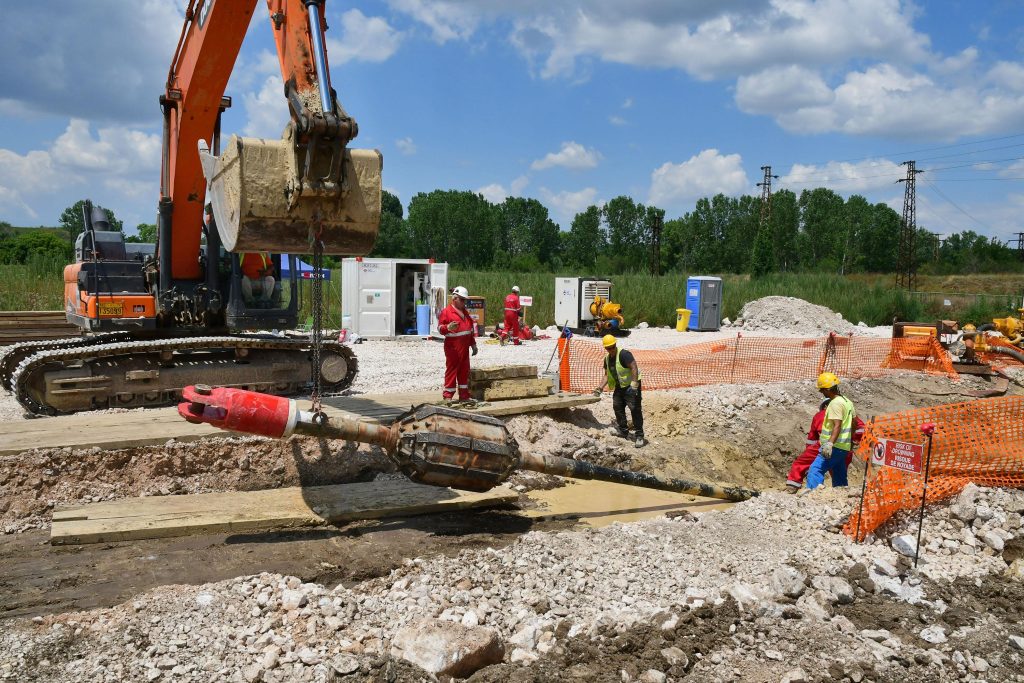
(379, 295)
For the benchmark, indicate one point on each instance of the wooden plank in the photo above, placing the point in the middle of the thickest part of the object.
(502, 372)
(239, 511)
(32, 314)
(155, 426)
(504, 389)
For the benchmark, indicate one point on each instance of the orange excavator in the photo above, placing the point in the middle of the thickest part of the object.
(189, 314)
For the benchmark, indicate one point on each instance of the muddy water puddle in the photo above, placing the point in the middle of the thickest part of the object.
(598, 503)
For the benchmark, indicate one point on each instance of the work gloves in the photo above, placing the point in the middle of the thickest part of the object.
(475, 350)
(826, 449)
(631, 392)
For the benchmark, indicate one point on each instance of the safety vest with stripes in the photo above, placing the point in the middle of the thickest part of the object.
(843, 440)
(622, 371)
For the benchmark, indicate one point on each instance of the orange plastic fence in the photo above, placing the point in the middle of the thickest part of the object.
(979, 441)
(755, 359)
(999, 361)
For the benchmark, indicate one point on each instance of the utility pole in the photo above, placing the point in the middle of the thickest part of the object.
(657, 223)
(906, 263)
(766, 197)
(1020, 246)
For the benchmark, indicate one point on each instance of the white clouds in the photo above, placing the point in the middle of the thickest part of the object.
(124, 161)
(846, 177)
(702, 175)
(572, 156)
(888, 101)
(365, 39)
(266, 109)
(496, 192)
(617, 120)
(406, 146)
(98, 60)
(566, 204)
(446, 20)
(781, 89)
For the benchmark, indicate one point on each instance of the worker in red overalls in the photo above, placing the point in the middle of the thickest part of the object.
(802, 464)
(459, 334)
(513, 311)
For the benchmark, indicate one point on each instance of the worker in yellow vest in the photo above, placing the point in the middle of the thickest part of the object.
(623, 376)
(836, 437)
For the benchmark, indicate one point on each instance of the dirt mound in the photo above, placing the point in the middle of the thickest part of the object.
(792, 315)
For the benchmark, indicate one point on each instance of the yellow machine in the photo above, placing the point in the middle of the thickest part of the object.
(607, 315)
(1011, 328)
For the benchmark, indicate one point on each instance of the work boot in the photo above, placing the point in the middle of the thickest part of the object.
(640, 441)
(619, 432)
(791, 489)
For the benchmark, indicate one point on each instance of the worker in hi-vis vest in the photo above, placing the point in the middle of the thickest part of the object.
(623, 376)
(836, 435)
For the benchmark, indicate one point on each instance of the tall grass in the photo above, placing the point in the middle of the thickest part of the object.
(647, 298)
(35, 286)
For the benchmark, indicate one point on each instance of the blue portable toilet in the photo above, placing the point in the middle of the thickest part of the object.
(704, 299)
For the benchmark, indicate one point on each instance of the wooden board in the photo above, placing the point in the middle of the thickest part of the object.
(156, 426)
(503, 389)
(502, 372)
(242, 511)
(21, 326)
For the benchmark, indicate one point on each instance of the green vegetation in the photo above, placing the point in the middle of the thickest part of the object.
(33, 286)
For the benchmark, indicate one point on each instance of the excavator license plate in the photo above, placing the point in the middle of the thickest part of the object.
(112, 309)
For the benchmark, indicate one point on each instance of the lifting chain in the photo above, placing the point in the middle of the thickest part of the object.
(317, 291)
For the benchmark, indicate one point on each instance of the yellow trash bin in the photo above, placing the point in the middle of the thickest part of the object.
(682, 319)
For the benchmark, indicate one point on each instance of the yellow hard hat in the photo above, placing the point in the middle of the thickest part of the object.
(827, 380)
(608, 340)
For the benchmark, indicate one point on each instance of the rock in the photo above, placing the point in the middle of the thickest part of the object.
(726, 322)
(969, 494)
(521, 656)
(292, 599)
(447, 648)
(876, 635)
(936, 635)
(674, 656)
(308, 656)
(642, 326)
(652, 676)
(884, 568)
(1015, 571)
(964, 511)
(345, 665)
(470, 619)
(153, 674)
(252, 673)
(788, 581)
(904, 544)
(1016, 642)
(992, 540)
(794, 676)
(838, 588)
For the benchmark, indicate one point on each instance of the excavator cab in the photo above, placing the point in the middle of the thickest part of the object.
(264, 302)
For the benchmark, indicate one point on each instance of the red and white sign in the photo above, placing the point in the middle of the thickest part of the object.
(900, 455)
(526, 301)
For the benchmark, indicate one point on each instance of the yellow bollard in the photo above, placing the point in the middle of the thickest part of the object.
(682, 319)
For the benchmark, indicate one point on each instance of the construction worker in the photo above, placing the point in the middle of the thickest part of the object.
(258, 272)
(458, 330)
(513, 311)
(623, 375)
(836, 440)
(803, 462)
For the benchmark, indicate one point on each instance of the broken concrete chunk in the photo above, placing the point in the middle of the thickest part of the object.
(442, 647)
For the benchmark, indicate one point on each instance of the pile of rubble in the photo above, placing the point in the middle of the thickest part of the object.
(793, 315)
(768, 586)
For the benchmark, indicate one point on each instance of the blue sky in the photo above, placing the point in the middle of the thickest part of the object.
(571, 103)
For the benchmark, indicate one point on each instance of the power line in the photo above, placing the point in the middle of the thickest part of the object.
(925, 149)
(954, 204)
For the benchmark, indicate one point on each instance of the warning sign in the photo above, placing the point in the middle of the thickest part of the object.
(900, 455)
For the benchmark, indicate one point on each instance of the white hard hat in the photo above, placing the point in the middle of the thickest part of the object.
(515, 288)
(461, 291)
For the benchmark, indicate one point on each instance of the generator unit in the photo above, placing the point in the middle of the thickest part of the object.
(585, 303)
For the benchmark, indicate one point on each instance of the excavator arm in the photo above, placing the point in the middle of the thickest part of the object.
(266, 194)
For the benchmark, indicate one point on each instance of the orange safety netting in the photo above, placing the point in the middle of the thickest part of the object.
(755, 360)
(999, 361)
(979, 441)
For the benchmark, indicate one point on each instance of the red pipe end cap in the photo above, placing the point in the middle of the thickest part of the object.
(928, 428)
(236, 410)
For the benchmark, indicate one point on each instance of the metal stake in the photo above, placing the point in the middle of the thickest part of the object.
(863, 487)
(928, 428)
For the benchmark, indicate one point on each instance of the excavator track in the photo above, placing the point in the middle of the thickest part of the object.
(12, 356)
(152, 373)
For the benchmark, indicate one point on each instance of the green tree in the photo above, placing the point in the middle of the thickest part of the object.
(525, 228)
(785, 230)
(391, 204)
(73, 222)
(145, 234)
(762, 261)
(821, 220)
(455, 226)
(586, 239)
(628, 233)
(35, 244)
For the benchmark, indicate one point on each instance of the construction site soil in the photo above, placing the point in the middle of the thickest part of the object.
(685, 599)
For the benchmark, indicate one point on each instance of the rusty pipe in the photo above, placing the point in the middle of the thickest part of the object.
(578, 469)
(429, 444)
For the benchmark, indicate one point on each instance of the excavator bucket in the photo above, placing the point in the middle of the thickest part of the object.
(261, 202)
